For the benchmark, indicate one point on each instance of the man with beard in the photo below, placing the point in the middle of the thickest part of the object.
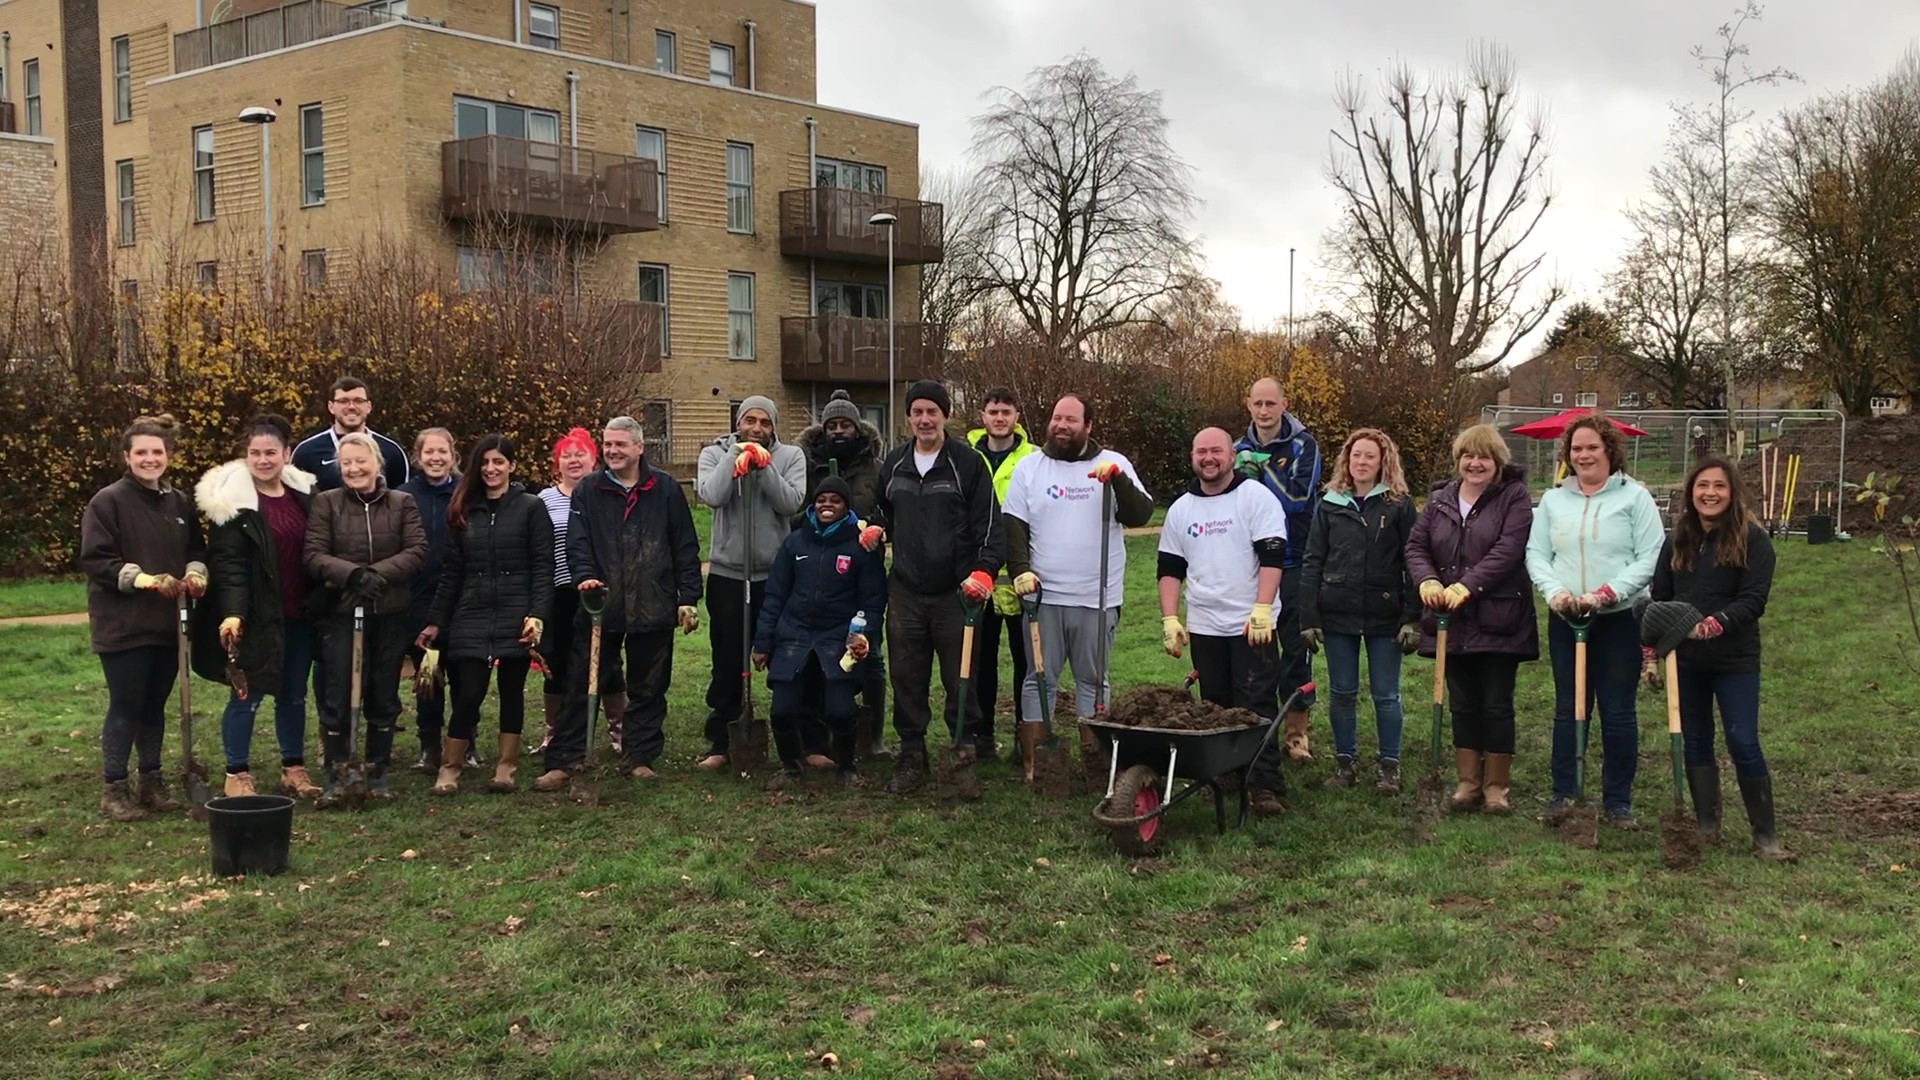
(1003, 442)
(1224, 539)
(752, 455)
(1055, 529)
(844, 445)
(935, 500)
(1282, 454)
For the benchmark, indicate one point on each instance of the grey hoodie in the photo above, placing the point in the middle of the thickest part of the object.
(778, 492)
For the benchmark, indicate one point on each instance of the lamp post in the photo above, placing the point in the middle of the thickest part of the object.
(888, 221)
(264, 117)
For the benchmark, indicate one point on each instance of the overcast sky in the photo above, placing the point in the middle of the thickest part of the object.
(1248, 88)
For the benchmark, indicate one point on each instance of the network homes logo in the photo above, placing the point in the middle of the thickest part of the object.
(1217, 527)
(1057, 492)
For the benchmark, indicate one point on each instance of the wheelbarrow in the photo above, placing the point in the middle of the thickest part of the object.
(1144, 762)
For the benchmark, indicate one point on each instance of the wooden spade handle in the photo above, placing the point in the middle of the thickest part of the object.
(966, 652)
(1673, 694)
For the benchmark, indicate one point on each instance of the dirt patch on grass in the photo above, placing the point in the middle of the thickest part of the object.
(1867, 816)
(1172, 708)
(1679, 840)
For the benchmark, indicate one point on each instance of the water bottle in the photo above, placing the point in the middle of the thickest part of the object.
(856, 627)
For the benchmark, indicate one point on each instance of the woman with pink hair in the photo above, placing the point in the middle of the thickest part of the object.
(575, 455)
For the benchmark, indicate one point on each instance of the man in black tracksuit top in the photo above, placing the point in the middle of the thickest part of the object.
(934, 499)
(630, 531)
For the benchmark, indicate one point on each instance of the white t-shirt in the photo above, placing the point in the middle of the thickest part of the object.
(1061, 505)
(1215, 534)
(925, 462)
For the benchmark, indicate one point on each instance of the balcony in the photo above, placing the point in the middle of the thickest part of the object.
(839, 349)
(279, 28)
(831, 223)
(9, 124)
(496, 178)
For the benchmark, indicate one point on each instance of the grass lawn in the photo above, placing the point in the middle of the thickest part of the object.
(699, 928)
(42, 596)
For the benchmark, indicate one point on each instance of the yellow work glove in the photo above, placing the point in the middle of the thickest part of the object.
(429, 667)
(1026, 584)
(689, 618)
(1432, 593)
(230, 632)
(1173, 636)
(1260, 625)
(530, 630)
(1456, 595)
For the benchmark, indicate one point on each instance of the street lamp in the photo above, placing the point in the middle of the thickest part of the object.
(888, 221)
(264, 117)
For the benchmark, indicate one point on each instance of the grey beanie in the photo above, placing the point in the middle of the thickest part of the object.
(1666, 623)
(840, 407)
(764, 404)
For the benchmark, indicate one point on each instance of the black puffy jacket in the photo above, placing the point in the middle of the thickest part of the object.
(243, 575)
(496, 572)
(640, 544)
(1354, 578)
(1736, 596)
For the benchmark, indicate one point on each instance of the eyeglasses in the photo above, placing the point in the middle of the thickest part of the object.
(352, 401)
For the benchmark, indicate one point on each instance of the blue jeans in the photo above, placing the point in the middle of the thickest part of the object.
(1613, 676)
(289, 704)
(1739, 697)
(1383, 683)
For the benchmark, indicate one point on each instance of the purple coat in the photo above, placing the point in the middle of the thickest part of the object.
(1488, 553)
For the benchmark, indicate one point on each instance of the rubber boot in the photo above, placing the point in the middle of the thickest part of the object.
(1296, 725)
(379, 756)
(1469, 795)
(117, 803)
(429, 760)
(846, 756)
(1703, 783)
(1498, 786)
(330, 791)
(870, 734)
(154, 794)
(1757, 793)
(1343, 773)
(453, 753)
(506, 771)
(909, 769)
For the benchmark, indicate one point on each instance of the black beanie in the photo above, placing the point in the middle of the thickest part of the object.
(931, 391)
(1666, 623)
(837, 486)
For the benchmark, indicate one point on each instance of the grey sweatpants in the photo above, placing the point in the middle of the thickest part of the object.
(1070, 637)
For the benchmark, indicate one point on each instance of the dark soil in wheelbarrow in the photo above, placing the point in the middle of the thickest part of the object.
(1176, 710)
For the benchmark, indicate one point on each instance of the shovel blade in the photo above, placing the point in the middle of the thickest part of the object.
(1052, 770)
(747, 745)
(586, 791)
(959, 771)
(197, 794)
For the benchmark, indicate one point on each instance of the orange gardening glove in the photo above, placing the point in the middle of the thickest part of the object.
(1105, 471)
(978, 586)
(752, 456)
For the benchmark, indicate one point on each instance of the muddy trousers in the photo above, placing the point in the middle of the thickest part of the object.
(468, 680)
(798, 701)
(139, 681)
(383, 647)
(1237, 675)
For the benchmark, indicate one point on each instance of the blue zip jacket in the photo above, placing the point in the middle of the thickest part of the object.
(820, 578)
(432, 499)
(1292, 473)
(1581, 542)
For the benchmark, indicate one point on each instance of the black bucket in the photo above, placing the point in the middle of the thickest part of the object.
(1820, 529)
(249, 834)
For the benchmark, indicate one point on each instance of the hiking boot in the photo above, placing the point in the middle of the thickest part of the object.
(239, 783)
(452, 753)
(1757, 793)
(1621, 817)
(154, 795)
(1557, 808)
(1343, 772)
(788, 777)
(1703, 783)
(1497, 789)
(118, 804)
(1386, 778)
(909, 771)
(295, 782)
(330, 797)
(506, 770)
(429, 759)
(1296, 726)
(552, 780)
(1469, 795)
(1265, 803)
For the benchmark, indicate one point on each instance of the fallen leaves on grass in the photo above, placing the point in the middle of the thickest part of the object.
(99, 984)
(511, 925)
(73, 912)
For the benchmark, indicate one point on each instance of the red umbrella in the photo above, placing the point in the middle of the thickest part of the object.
(1552, 427)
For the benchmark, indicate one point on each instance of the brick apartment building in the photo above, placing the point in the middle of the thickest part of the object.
(679, 141)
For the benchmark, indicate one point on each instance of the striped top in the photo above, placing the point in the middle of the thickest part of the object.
(559, 505)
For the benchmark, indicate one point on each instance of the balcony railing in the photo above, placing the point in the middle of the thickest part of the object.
(491, 177)
(279, 28)
(831, 223)
(841, 349)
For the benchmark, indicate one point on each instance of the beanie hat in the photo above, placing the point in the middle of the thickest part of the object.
(1666, 623)
(840, 407)
(931, 391)
(764, 404)
(837, 486)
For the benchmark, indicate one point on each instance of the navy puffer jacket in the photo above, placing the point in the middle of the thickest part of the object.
(820, 578)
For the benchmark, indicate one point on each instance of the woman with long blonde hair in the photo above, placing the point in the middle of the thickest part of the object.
(1354, 594)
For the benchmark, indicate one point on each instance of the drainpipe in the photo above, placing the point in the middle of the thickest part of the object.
(753, 75)
(199, 13)
(519, 36)
(6, 61)
(813, 166)
(573, 118)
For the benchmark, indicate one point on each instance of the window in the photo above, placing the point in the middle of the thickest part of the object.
(473, 117)
(849, 176)
(207, 275)
(720, 64)
(122, 80)
(850, 298)
(739, 316)
(1559, 398)
(739, 188)
(653, 290)
(1586, 401)
(30, 78)
(123, 190)
(313, 268)
(203, 174)
(313, 156)
(543, 26)
(651, 144)
(480, 268)
(664, 54)
(385, 10)
(129, 323)
(656, 424)
(1627, 401)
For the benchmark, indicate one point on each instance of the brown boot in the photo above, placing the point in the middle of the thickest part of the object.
(154, 794)
(238, 783)
(116, 803)
(1029, 739)
(453, 755)
(1296, 735)
(506, 771)
(1468, 796)
(1499, 773)
(552, 780)
(295, 782)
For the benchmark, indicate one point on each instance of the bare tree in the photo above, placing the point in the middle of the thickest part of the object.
(1087, 203)
(1663, 292)
(952, 290)
(1441, 194)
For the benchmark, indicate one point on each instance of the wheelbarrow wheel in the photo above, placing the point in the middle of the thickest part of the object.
(1136, 793)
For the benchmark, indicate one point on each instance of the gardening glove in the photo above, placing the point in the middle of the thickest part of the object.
(752, 456)
(591, 584)
(1250, 463)
(1707, 629)
(1260, 625)
(1456, 595)
(1173, 636)
(689, 618)
(196, 581)
(230, 633)
(872, 537)
(428, 669)
(1649, 667)
(857, 649)
(366, 584)
(1561, 604)
(1026, 584)
(978, 587)
(1311, 638)
(1432, 593)
(1409, 638)
(530, 631)
(165, 584)
(1105, 471)
(1604, 596)
(759, 661)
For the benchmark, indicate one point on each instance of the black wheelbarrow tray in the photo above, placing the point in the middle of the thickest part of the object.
(1144, 762)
